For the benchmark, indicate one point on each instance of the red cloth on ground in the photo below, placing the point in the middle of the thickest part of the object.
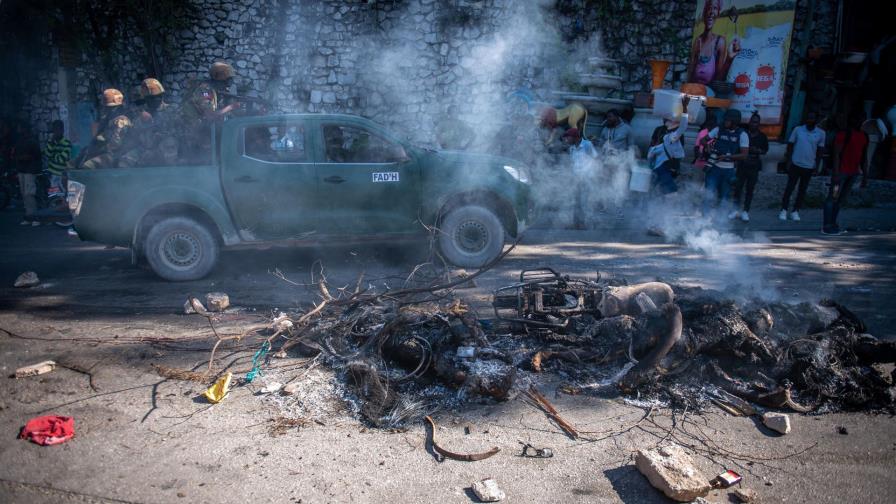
(49, 430)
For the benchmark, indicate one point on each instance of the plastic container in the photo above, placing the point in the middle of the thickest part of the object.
(640, 179)
(667, 104)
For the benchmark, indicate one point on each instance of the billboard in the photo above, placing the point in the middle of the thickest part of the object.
(744, 43)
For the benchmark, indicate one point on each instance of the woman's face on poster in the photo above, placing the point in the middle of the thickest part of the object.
(710, 13)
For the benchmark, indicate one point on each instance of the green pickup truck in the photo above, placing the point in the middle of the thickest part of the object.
(302, 179)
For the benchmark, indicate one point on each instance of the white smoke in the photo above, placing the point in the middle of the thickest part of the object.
(727, 263)
(507, 45)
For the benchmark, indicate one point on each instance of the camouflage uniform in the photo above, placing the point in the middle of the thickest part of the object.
(113, 126)
(151, 127)
(201, 108)
(114, 144)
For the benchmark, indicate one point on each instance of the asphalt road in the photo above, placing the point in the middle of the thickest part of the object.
(144, 439)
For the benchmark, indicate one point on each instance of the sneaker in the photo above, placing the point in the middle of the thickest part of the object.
(782, 215)
(794, 216)
(25, 222)
(744, 216)
(72, 232)
(831, 232)
(733, 215)
(35, 223)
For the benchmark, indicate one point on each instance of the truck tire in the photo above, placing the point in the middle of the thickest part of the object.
(471, 236)
(180, 249)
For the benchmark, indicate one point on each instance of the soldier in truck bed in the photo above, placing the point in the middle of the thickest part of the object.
(112, 131)
(154, 127)
(203, 106)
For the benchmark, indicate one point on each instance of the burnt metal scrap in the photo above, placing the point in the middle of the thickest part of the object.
(602, 338)
(544, 299)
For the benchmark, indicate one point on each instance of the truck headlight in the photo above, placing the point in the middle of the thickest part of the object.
(75, 197)
(520, 174)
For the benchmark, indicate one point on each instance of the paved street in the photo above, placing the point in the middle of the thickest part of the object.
(155, 441)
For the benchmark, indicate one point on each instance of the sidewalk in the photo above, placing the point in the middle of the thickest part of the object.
(851, 219)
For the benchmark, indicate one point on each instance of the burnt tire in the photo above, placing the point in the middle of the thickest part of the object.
(179, 249)
(471, 236)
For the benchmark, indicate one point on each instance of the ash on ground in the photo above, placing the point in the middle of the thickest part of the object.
(393, 359)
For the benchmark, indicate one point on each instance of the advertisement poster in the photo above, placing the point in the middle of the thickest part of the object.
(744, 43)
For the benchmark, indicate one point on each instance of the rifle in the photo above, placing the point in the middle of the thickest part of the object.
(260, 105)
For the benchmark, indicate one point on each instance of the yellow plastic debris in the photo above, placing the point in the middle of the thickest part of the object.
(217, 392)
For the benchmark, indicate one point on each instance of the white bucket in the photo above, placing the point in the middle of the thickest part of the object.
(640, 179)
(667, 104)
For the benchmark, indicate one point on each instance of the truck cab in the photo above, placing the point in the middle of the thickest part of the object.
(302, 179)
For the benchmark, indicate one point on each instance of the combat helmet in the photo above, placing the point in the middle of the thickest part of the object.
(151, 87)
(221, 71)
(112, 98)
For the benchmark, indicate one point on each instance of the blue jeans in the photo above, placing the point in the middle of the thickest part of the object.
(664, 178)
(837, 195)
(717, 187)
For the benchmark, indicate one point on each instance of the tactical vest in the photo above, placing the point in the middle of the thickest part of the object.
(728, 142)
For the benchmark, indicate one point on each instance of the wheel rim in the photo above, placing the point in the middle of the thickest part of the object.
(471, 237)
(181, 250)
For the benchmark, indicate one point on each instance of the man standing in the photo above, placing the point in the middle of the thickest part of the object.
(152, 124)
(58, 152)
(748, 169)
(582, 154)
(804, 152)
(617, 134)
(26, 157)
(203, 106)
(731, 145)
(849, 146)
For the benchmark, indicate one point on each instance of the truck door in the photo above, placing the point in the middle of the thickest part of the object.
(270, 182)
(368, 183)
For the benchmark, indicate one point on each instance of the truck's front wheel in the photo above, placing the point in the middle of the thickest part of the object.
(471, 236)
(180, 249)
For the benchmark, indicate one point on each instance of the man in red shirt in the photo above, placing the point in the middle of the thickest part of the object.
(849, 147)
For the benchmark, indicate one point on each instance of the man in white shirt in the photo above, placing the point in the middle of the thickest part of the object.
(804, 152)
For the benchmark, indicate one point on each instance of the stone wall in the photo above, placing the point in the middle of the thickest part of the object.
(401, 62)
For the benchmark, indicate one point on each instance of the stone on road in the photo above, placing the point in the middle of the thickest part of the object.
(672, 471)
(487, 490)
(778, 422)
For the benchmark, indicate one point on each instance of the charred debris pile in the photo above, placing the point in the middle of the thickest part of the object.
(685, 347)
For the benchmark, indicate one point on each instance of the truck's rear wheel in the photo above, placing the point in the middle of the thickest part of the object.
(471, 236)
(180, 249)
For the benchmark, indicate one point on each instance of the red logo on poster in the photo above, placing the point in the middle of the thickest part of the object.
(765, 76)
(741, 84)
